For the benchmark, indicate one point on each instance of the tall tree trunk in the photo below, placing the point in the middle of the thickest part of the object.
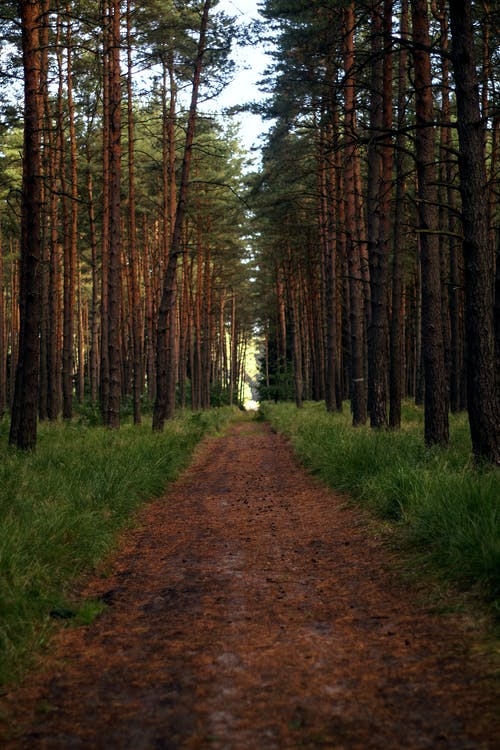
(206, 331)
(14, 323)
(149, 316)
(23, 427)
(112, 416)
(70, 242)
(94, 324)
(184, 332)
(329, 190)
(495, 233)
(165, 317)
(479, 254)
(105, 238)
(353, 243)
(3, 334)
(454, 298)
(397, 317)
(54, 353)
(293, 304)
(168, 222)
(80, 341)
(376, 349)
(446, 206)
(137, 377)
(233, 363)
(66, 354)
(436, 386)
(45, 236)
(281, 353)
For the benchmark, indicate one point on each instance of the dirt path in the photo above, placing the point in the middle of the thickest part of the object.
(252, 611)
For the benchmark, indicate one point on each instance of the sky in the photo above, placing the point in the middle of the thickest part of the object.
(251, 62)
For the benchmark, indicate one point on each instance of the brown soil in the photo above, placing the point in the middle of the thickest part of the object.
(252, 610)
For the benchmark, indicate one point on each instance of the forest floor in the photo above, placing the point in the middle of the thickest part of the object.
(253, 609)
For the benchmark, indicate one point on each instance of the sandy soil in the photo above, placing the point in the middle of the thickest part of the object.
(252, 610)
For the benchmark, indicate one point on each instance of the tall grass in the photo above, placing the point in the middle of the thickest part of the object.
(447, 511)
(62, 507)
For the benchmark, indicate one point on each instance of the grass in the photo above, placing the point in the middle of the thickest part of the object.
(445, 510)
(61, 509)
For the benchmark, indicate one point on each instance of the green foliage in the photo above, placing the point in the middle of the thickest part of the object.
(447, 511)
(62, 507)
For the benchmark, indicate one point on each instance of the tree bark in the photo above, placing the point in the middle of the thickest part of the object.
(23, 427)
(94, 324)
(436, 386)
(3, 335)
(106, 110)
(352, 216)
(165, 317)
(112, 415)
(479, 253)
(376, 349)
(137, 348)
(70, 242)
(396, 358)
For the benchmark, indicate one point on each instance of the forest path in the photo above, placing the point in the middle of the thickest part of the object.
(252, 610)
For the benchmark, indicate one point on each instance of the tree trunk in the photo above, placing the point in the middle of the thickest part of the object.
(80, 339)
(112, 415)
(479, 254)
(281, 352)
(397, 318)
(206, 331)
(94, 325)
(297, 350)
(3, 335)
(376, 348)
(436, 386)
(233, 357)
(70, 243)
(329, 190)
(47, 187)
(14, 323)
(54, 353)
(137, 376)
(23, 427)
(106, 110)
(149, 316)
(352, 217)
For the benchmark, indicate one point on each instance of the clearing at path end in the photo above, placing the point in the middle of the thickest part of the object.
(251, 610)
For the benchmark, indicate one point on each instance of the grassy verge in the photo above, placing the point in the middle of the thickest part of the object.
(446, 511)
(62, 507)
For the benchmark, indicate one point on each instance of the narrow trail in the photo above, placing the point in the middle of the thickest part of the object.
(252, 610)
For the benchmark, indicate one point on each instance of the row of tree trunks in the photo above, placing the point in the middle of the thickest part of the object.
(165, 366)
(405, 307)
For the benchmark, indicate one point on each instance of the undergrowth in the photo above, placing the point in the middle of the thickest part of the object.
(62, 507)
(446, 511)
